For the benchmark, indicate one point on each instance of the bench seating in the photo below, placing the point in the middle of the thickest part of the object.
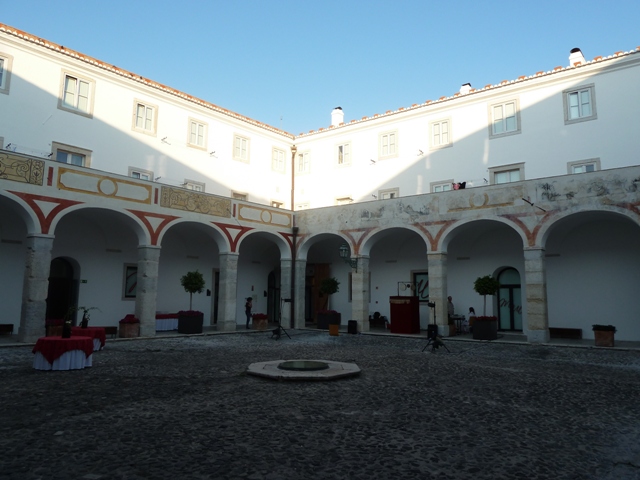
(572, 333)
(6, 328)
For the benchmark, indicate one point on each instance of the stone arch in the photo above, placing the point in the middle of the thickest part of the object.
(465, 225)
(307, 242)
(372, 237)
(17, 205)
(211, 230)
(283, 246)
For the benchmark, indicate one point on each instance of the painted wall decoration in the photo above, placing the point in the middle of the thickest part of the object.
(24, 170)
(83, 181)
(130, 282)
(187, 200)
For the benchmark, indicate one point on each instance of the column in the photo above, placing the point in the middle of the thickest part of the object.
(360, 294)
(535, 275)
(147, 288)
(227, 296)
(35, 287)
(285, 292)
(298, 305)
(437, 266)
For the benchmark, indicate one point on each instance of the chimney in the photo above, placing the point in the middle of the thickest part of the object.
(465, 88)
(576, 57)
(337, 116)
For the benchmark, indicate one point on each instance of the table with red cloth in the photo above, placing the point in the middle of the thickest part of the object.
(57, 353)
(166, 322)
(98, 334)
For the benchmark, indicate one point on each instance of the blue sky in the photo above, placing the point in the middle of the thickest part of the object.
(289, 63)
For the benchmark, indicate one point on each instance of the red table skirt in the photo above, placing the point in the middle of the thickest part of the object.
(93, 332)
(162, 316)
(53, 347)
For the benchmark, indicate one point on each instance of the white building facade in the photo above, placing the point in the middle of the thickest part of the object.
(113, 186)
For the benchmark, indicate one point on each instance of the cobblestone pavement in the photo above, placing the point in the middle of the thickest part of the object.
(184, 408)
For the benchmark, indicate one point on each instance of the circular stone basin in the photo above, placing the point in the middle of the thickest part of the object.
(302, 369)
(303, 365)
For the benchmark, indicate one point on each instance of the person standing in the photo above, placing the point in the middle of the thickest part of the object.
(450, 309)
(247, 309)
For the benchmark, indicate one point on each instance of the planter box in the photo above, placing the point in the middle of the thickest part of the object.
(260, 324)
(190, 323)
(604, 338)
(54, 330)
(485, 330)
(326, 319)
(129, 330)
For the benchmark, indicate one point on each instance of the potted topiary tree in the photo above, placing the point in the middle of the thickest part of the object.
(190, 321)
(486, 328)
(327, 317)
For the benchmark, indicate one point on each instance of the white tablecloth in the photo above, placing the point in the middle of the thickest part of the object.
(164, 324)
(71, 360)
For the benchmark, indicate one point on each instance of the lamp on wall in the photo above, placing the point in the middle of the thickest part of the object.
(344, 255)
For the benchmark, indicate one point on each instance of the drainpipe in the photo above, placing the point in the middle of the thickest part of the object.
(294, 229)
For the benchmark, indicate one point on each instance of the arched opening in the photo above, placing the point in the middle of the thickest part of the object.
(509, 300)
(63, 288)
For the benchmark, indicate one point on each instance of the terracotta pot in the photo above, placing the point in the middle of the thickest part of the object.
(260, 324)
(54, 330)
(190, 323)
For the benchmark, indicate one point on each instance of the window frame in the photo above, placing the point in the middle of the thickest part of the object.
(190, 184)
(282, 167)
(340, 155)
(432, 145)
(348, 200)
(154, 127)
(506, 168)
(448, 183)
(70, 149)
(302, 206)
(91, 85)
(236, 137)
(579, 163)
(307, 163)
(7, 68)
(140, 171)
(394, 191)
(277, 203)
(205, 133)
(381, 136)
(592, 103)
(490, 110)
(241, 197)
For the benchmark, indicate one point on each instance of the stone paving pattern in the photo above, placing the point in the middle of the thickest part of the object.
(184, 408)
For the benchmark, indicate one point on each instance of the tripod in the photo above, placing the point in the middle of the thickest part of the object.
(432, 333)
(277, 332)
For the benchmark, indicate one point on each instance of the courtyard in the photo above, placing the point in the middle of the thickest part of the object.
(183, 407)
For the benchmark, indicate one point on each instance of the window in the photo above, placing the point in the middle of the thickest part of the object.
(505, 119)
(71, 155)
(145, 118)
(195, 186)
(388, 144)
(437, 187)
(302, 206)
(441, 134)
(579, 104)
(584, 166)
(277, 160)
(197, 134)
(76, 94)
(240, 148)
(344, 200)
(276, 204)
(507, 173)
(239, 196)
(388, 193)
(303, 164)
(141, 174)
(5, 72)
(344, 154)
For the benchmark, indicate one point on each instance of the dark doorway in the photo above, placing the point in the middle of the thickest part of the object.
(63, 289)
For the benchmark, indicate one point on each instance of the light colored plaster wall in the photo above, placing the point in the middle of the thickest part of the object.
(592, 277)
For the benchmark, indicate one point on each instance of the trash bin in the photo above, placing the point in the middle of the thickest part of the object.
(352, 326)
